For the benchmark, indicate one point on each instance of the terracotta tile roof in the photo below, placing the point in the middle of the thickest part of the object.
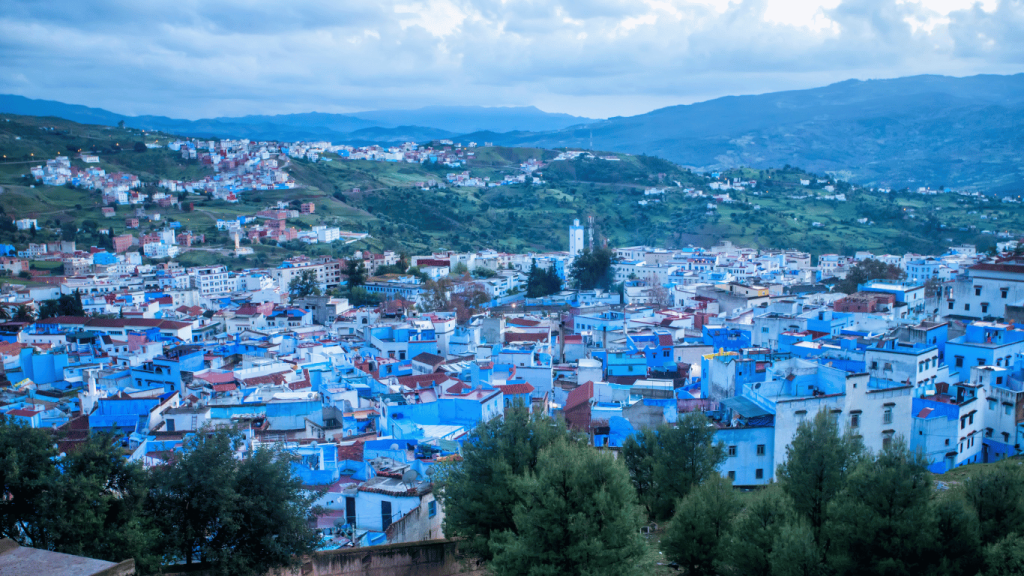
(353, 452)
(216, 377)
(224, 387)
(428, 358)
(579, 396)
(423, 380)
(514, 389)
(526, 337)
(665, 340)
(458, 388)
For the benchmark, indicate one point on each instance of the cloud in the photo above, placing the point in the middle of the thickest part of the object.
(605, 57)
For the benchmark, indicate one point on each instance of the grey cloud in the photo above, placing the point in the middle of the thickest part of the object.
(191, 59)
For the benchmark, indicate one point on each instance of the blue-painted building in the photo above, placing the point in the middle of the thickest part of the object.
(984, 344)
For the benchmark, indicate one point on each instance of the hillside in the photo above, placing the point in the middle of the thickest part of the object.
(905, 132)
(917, 131)
(390, 204)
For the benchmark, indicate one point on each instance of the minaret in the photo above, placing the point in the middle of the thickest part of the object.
(576, 240)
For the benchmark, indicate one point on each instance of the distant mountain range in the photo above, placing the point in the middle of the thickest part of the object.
(915, 131)
(427, 123)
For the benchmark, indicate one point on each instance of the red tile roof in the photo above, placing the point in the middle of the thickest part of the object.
(217, 377)
(423, 380)
(580, 395)
(526, 337)
(224, 387)
(514, 389)
(353, 452)
(665, 340)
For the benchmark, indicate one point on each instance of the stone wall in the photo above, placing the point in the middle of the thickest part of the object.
(430, 558)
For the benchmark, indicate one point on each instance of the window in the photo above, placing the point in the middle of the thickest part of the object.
(732, 450)
(963, 422)
(887, 416)
(1002, 292)
(874, 365)
(959, 362)
(668, 353)
(970, 418)
(991, 404)
(1007, 409)
(981, 361)
(988, 432)
(759, 473)
(967, 307)
(764, 330)
(950, 305)
(887, 366)
(854, 420)
(432, 509)
(977, 290)
(886, 439)
(999, 379)
(732, 475)
(984, 307)
(760, 449)
(1006, 437)
(800, 416)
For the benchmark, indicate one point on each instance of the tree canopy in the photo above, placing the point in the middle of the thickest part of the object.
(304, 284)
(593, 269)
(665, 463)
(577, 515)
(541, 282)
(478, 493)
(868, 269)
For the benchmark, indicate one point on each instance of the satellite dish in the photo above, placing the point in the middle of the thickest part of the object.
(430, 471)
(394, 446)
(410, 476)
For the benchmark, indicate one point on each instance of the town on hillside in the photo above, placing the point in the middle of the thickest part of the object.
(372, 369)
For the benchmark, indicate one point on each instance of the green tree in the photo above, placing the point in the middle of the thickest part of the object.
(997, 495)
(696, 535)
(666, 464)
(753, 533)
(959, 537)
(593, 269)
(95, 506)
(355, 269)
(460, 268)
(882, 521)
(193, 499)
(478, 493)
(638, 455)
(274, 515)
(795, 553)
(481, 272)
(817, 464)
(26, 471)
(577, 516)
(868, 269)
(1005, 557)
(304, 284)
(89, 502)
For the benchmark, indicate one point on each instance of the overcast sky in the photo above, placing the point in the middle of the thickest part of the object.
(598, 58)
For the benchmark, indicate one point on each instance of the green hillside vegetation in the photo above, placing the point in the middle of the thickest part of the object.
(400, 215)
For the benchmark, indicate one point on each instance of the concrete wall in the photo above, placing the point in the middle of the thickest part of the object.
(432, 558)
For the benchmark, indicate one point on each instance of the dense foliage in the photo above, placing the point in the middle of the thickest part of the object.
(593, 269)
(542, 281)
(665, 463)
(239, 516)
(868, 269)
